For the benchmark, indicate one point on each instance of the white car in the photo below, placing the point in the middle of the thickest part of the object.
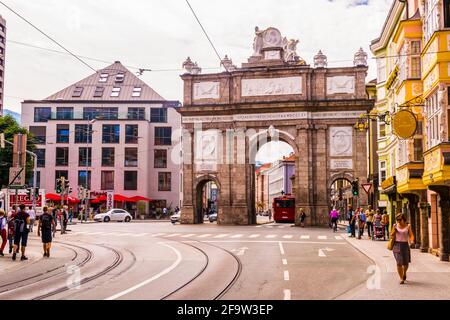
(176, 217)
(113, 215)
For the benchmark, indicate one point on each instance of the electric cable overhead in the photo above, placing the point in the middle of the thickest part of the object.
(47, 36)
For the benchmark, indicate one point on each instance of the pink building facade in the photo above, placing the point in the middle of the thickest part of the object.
(113, 129)
(2, 60)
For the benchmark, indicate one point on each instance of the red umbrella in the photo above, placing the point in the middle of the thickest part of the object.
(139, 198)
(73, 200)
(118, 197)
(52, 197)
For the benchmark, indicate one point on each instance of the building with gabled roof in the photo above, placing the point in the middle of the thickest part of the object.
(108, 132)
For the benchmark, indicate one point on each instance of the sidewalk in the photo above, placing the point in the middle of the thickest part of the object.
(428, 278)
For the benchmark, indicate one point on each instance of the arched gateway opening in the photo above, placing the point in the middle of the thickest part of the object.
(207, 203)
(312, 108)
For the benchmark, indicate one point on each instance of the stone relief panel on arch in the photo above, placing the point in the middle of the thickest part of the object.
(341, 84)
(341, 141)
(206, 90)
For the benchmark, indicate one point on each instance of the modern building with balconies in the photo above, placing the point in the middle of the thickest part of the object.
(2, 61)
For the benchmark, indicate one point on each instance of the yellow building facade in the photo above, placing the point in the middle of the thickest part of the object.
(413, 75)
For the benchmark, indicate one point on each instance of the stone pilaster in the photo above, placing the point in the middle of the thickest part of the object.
(424, 234)
(444, 234)
(321, 191)
(303, 173)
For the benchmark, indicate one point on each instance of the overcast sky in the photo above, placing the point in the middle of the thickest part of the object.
(160, 34)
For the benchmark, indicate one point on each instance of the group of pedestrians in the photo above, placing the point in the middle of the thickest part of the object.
(16, 226)
(361, 219)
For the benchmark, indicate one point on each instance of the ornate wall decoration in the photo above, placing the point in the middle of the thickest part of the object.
(206, 90)
(272, 86)
(341, 84)
(341, 141)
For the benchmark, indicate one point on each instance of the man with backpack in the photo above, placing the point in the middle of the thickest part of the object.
(11, 216)
(46, 226)
(21, 223)
(361, 222)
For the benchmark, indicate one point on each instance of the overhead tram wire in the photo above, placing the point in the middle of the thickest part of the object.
(47, 36)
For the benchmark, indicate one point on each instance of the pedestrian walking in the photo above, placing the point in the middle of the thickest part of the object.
(64, 219)
(55, 219)
(403, 237)
(3, 231)
(361, 222)
(334, 215)
(70, 214)
(369, 216)
(302, 217)
(45, 227)
(351, 216)
(11, 231)
(385, 222)
(32, 215)
(21, 222)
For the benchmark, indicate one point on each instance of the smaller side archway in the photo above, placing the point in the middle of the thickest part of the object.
(200, 196)
(340, 193)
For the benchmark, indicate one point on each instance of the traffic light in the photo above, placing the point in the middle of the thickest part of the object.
(36, 192)
(59, 186)
(66, 185)
(355, 188)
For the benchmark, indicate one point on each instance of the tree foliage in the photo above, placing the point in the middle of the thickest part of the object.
(10, 127)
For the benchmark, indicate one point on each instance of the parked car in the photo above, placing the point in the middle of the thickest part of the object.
(114, 215)
(176, 217)
(213, 217)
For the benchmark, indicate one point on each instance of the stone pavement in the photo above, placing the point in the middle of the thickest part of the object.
(428, 278)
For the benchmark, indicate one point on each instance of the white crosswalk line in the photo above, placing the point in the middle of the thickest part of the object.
(173, 235)
(205, 235)
(254, 236)
(222, 236)
(125, 234)
(287, 294)
(189, 235)
(305, 237)
(338, 237)
(322, 237)
(140, 235)
(237, 236)
(271, 236)
(258, 226)
(284, 262)
(286, 275)
(158, 234)
(288, 236)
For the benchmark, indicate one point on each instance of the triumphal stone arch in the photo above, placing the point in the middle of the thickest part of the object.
(276, 95)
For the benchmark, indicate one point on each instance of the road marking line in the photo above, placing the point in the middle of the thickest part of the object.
(254, 236)
(140, 235)
(273, 241)
(338, 237)
(125, 234)
(271, 236)
(288, 237)
(222, 235)
(205, 235)
(95, 233)
(158, 234)
(258, 226)
(237, 236)
(284, 261)
(287, 294)
(322, 237)
(188, 235)
(281, 227)
(281, 247)
(173, 235)
(157, 276)
(305, 237)
(286, 275)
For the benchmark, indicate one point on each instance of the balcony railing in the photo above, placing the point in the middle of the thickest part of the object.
(100, 116)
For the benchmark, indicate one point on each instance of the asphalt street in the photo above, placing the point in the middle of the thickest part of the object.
(158, 260)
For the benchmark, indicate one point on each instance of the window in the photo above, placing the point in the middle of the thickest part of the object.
(158, 115)
(382, 166)
(418, 150)
(163, 136)
(120, 77)
(40, 157)
(62, 133)
(136, 92)
(107, 180)
(130, 180)
(111, 133)
(2, 28)
(115, 92)
(83, 133)
(446, 13)
(103, 77)
(100, 113)
(131, 133)
(108, 157)
(99, 92)
(381, 130)
(61, 173)
(136, 113)
(39, 134)
(131, 157)
(77, 92)
(62, 157)
(160, 159)
(84, 157)
(164, 181)
(64, 113)
(433, 112)
(42, 114)
(82, 179)
(2, 39)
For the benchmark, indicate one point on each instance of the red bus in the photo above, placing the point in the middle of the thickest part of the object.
(284, 209)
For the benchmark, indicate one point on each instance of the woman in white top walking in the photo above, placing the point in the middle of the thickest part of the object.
(403, 238)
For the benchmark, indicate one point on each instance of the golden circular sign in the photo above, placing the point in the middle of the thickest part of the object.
(404, 124)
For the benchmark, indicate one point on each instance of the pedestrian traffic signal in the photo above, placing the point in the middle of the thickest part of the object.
(66, 185)
(355, 188)
(58, 186)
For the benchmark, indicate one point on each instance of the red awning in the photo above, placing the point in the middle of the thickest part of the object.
(52, 197)
(73, 199)
(118, 197)
(139, 198)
